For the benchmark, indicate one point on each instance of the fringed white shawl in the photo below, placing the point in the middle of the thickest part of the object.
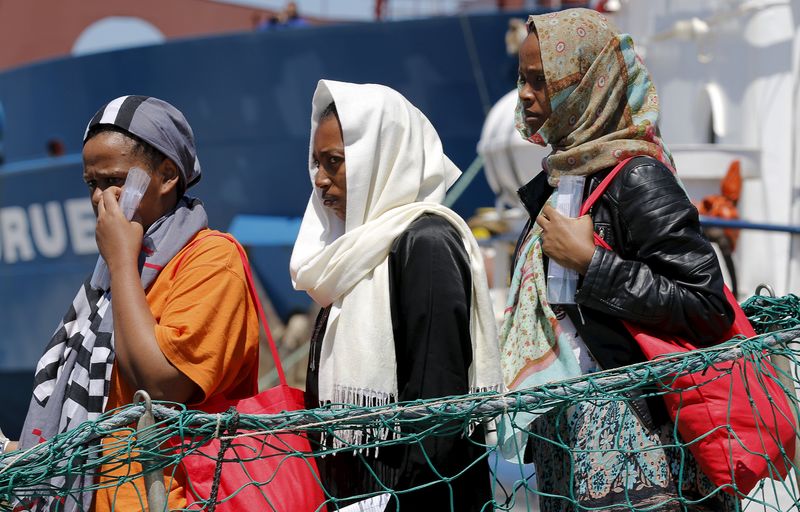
(396, 171)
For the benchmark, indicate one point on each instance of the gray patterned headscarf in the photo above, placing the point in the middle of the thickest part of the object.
(157, 123)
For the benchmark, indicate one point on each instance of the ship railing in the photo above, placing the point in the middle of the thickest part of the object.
(30, 474)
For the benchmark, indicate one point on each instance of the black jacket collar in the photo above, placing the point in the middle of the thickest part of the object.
(535, 193)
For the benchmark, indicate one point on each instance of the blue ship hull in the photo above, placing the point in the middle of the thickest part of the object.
(248, 99)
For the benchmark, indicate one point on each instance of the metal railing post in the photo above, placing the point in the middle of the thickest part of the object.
(153, 480)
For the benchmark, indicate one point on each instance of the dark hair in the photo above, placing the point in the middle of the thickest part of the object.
(329, 111)
(151, 155)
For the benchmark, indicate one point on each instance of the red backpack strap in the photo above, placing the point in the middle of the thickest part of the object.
(599, 191)
(251, 288)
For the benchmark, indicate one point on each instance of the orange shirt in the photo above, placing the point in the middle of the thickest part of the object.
(207, 327)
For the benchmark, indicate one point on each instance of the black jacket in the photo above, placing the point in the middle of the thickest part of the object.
(430, 287)
(662, 274)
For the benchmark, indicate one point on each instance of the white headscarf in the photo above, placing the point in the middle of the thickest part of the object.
(396, 171)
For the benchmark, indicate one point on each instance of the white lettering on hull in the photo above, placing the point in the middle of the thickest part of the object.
(17, 243)
(44, 230)
(50, 235)
(81, 222)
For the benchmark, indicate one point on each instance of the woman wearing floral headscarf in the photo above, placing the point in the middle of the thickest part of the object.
(585, 92)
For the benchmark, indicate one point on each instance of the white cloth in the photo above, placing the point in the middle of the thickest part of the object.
(396, 171)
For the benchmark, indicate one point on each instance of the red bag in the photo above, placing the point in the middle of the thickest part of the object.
(261, 472)
(743, 395)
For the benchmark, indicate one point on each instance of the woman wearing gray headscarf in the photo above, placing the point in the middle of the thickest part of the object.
(182, 327)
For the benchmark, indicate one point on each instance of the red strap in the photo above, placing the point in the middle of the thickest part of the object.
(602, 243)
(597, 192)
(252, 288)
(601, 188)
(741, 324)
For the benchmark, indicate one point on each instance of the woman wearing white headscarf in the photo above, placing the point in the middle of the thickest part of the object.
(406, 311)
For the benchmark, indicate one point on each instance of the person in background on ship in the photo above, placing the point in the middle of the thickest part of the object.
(585, 92)
(406, 312)
(180, 323)
(291, 17)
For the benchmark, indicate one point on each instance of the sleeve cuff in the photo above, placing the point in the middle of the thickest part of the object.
(593, 279)
(172, 353)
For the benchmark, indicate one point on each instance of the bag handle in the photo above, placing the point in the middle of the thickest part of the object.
(252, 289)
(599, 191)
(601, 188)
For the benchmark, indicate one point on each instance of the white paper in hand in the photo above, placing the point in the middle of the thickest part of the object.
(132, 192)
(562, 283)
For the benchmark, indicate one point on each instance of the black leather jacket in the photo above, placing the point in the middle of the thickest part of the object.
(663, 273)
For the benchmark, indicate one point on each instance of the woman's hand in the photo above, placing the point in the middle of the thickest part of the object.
(138, 355)
(570, 242)
(118, 239)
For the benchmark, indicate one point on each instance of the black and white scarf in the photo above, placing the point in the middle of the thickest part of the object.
(73, 376)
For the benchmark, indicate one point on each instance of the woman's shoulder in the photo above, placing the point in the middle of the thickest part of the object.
(649, 191)
(430, 246)
(210, 248)
(643, 169)
(642, 176)
(429, 224)
(428, 231)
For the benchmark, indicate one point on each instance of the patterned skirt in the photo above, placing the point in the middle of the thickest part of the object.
(598, 456)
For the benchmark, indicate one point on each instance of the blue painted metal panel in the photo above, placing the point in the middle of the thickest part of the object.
(265, 230)
(269, 241)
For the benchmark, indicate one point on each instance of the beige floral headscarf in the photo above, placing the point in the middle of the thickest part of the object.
(604, 104)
